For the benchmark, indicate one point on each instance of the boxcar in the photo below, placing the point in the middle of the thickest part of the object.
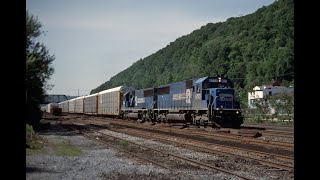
(64, 106)
(109, 101)
(79, 104)
(72, 103)
(91, 104)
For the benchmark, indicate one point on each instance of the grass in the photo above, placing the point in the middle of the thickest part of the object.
(34, 143)
(124, 143)
(35, 150)
(31, 135)
(33, 140)
(67, 150)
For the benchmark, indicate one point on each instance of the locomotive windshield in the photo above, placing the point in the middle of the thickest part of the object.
(217, 83)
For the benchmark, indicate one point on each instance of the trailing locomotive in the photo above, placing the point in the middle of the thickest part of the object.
(200, 101)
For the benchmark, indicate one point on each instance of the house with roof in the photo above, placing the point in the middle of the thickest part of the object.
(268, 89)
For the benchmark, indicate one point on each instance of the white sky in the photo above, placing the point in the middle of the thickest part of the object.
(94, 40)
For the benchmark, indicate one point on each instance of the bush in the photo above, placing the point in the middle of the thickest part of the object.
(32, 139)
(29, 133)
(124, 143)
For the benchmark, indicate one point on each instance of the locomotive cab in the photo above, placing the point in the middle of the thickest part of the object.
(225, 109)
(218, 97)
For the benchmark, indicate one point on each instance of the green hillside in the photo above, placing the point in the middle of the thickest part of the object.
(250, 50)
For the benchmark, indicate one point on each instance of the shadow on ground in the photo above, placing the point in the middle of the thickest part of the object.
(35, 169)
(55, 129)
(58, 128)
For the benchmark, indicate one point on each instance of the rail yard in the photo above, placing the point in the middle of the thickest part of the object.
(253, 151)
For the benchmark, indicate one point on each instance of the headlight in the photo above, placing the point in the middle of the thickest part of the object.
(237, 112)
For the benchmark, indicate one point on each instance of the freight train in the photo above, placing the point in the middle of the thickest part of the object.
(199, 101)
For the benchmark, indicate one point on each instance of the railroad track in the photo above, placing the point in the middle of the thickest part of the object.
(181, 131)
(268, 127)
(204, 146)
(244, 140)
(235, 138)
(278, 134)
(209, 147)
(103, 136)
(240, 139)
(251, 133)
(125, 124)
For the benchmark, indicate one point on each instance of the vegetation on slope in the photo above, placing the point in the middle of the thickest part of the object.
(250, 50)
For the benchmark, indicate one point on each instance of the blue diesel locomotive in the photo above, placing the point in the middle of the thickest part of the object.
(201, 101)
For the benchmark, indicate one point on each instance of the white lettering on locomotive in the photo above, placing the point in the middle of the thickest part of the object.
(180, 96)
(140, 100)
(226, 97)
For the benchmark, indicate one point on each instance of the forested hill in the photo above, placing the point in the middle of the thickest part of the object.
(250, 50)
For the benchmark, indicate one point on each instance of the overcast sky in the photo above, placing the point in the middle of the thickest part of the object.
(94, 40)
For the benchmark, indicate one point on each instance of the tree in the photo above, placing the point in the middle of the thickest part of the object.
(284, 105)
(251, 50)
(262, 107)
(38, 69)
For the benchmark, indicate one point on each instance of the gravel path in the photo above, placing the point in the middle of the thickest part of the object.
(95, 162)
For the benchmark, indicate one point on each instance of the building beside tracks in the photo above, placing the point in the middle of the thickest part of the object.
(269, 89)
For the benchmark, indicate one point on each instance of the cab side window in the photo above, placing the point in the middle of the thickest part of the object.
(198, 89)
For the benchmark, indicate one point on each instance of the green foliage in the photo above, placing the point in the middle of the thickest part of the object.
(250, 50)
(29, 132)
(262, 108)
(68, 150)
(124, 143)
(33, 140)
(282, 104)
(38, 69)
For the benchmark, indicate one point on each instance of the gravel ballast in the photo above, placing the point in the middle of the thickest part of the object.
(99, 161)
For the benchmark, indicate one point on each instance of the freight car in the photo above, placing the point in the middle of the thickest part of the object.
(109, 101)
(200, 101)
